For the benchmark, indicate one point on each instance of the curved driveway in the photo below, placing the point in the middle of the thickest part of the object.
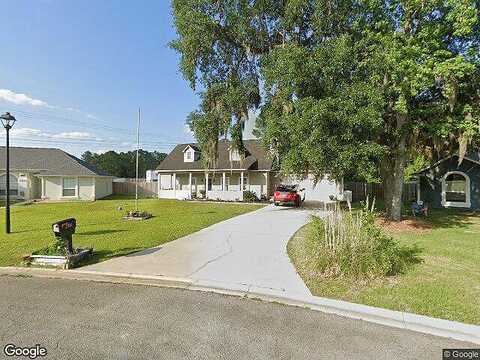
(247, 252)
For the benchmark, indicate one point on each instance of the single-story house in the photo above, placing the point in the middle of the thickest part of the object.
(182, 175)
(450, 184)
(52, 174)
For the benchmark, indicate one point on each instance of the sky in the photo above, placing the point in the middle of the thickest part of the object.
(74, 74)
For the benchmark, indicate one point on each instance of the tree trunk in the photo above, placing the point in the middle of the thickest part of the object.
(386, 172)
(393, 181)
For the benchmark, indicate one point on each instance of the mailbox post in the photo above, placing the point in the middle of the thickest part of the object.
(63, 231)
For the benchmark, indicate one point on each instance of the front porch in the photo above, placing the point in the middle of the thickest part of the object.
(217, 185)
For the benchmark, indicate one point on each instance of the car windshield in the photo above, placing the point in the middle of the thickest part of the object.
(285, 188)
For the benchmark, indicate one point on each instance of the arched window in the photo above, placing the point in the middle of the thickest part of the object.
(456, 189)
(13, 185)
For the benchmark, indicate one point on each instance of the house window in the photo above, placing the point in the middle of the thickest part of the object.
(13, 185)
(69, 187)
(189, 154)
(234, 155)
(456, 190)
(227, 183)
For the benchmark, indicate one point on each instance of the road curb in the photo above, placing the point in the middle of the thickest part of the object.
(398, 319)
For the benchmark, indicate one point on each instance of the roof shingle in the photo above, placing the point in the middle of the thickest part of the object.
(256, 158)
(47, 161)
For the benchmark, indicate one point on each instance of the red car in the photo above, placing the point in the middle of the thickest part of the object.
(288, 195)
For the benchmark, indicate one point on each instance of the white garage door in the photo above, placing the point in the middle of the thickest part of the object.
(320, 191)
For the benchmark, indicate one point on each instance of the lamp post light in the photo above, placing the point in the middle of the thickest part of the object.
(7, 122)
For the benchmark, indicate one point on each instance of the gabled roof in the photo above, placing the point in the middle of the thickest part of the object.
(47, 161)
(256, 158)
(191, 146)
(473, 156)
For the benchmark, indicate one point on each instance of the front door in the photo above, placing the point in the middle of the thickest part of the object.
(210, 184)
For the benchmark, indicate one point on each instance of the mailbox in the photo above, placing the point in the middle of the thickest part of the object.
(63, 231)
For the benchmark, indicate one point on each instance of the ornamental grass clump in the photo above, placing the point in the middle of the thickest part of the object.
(350, 244)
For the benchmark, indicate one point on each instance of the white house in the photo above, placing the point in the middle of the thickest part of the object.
(42, 173)
(151, 176)
(182, 175)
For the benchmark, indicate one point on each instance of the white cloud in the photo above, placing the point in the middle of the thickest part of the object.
(78, 111)
(38, 134)
(73, 109)
(187, 130)
(23, 99)
(25, 132)
(76, 135)
(102, 151)
(20, 99)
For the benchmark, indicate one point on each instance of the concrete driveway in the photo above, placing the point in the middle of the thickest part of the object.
(245, 251)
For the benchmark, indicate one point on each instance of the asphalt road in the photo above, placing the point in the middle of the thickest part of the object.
(84, 320)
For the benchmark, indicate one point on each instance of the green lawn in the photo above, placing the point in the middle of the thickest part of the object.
(100, 225)
(446, 285)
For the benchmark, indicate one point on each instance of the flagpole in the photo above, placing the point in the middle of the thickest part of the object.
(136, 166)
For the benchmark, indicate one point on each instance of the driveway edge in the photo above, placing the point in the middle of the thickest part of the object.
(398, 319)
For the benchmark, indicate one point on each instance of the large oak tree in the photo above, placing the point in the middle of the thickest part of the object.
(343, 86)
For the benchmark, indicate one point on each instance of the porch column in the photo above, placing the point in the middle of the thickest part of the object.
(43, 188)
(224, 182)
(418, 189)
(206, 184)
(174, 181)
(241, 181)
(159, 184)
(266, 184)
(190, 183)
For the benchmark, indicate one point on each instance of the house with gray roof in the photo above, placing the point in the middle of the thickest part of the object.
(451, 183)
(51, 174)
(182, 175)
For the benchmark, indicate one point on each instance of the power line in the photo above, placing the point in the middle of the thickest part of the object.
(152, 142)
(48, 118)
(84, 142)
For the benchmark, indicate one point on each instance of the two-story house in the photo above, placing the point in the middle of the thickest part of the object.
(182, 175)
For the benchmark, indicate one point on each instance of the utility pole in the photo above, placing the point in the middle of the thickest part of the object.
(136, 171)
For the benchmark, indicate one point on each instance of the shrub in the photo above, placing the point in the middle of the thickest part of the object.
(249, 196)
(346, 244)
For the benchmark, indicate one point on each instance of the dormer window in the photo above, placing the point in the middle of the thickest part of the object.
(189, 154)
(234, 155)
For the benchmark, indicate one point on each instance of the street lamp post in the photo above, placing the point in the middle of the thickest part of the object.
(7, 122)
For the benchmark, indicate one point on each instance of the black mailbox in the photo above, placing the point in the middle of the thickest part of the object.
(63, 230)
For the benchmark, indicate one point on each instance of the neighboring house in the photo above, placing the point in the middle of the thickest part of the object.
(151, 176)
(450, 184)
(40, 173)
(182, 175)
